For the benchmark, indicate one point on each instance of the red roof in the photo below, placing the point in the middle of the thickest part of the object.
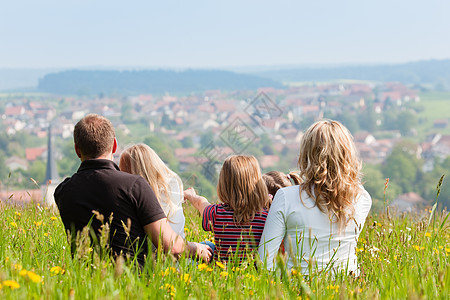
(184, 152)
(22, 196)
(267, 161)
(411, 197)
(33, 153)
(14, 110)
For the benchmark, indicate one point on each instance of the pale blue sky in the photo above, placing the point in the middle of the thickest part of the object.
(208, 34)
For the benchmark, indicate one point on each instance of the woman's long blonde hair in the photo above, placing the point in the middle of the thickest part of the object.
(330, 168)
(142, 160)
(242, 188)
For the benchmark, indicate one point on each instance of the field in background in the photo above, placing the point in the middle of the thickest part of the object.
(400, 257)
(436, 107)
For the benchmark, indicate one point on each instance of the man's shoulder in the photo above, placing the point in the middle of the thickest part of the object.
(62, 184)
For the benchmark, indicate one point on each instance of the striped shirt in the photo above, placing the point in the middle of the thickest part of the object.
(232, 239)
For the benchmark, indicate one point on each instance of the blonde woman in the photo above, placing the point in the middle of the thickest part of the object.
(142, 160)
(238, 220)
(321, 219)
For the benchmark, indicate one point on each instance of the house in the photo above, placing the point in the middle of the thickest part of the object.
(185, 152)
(407, 202)
(364, 137)
(21, 196)
(268, 161)
(32, 154)
(14, 112)
(15, 163)
(440, 124)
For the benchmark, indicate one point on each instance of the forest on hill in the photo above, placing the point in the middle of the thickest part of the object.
(84, 82)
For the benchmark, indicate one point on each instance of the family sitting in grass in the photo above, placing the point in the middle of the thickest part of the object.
(311, 220)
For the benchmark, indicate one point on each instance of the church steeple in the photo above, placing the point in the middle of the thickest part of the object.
(51, 173)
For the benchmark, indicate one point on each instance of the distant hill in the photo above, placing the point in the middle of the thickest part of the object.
(435, 72)
(87, 82)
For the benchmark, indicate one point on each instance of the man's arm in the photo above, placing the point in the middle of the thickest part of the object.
(199, 202)
(161, 231)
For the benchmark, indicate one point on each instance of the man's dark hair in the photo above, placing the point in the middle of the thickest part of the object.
(93, 135)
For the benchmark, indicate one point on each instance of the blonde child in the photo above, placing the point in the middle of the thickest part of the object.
(142, 160)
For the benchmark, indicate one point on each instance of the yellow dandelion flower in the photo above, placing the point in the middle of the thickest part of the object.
(18, 214)
(224, 273)
(53, 218)
(17, 267)
(34, 277)
(220, 265)
(11, 284)
(441, 247)
(428, 234)
(236, 269)
(1, 286)
(39, 223)
(46, 234)
(294, 272)
(13, 224)
(209, 269)
(23, 273)
(57, 270)
(395, 257)
(416, 247)
(447, 250)
(187, 278)
(202, 267)
(251, 292)
(250, 276)
(170, 289)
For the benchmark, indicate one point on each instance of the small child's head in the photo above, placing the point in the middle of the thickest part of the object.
(276, 180)
(242, 188)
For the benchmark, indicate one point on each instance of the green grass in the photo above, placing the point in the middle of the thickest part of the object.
(436, 106)
(399, 257)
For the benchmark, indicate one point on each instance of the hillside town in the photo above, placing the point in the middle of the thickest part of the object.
(211, 125)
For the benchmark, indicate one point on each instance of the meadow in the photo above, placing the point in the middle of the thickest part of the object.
(400, 256)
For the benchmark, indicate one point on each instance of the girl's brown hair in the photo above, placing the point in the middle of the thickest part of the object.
(276, 180)
(242, 188)
(330, 168)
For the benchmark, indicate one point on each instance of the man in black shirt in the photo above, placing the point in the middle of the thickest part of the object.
(124, 200)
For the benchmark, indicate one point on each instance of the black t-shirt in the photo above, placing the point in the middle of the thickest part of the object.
(99, 185)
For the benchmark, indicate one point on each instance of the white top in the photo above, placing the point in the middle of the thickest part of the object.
(174, 213)
(309, 232)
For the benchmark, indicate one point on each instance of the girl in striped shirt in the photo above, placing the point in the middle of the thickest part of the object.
(237, 221)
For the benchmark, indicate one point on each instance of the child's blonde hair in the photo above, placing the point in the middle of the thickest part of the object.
(142, 160)
(242, 188)
(330, 169)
